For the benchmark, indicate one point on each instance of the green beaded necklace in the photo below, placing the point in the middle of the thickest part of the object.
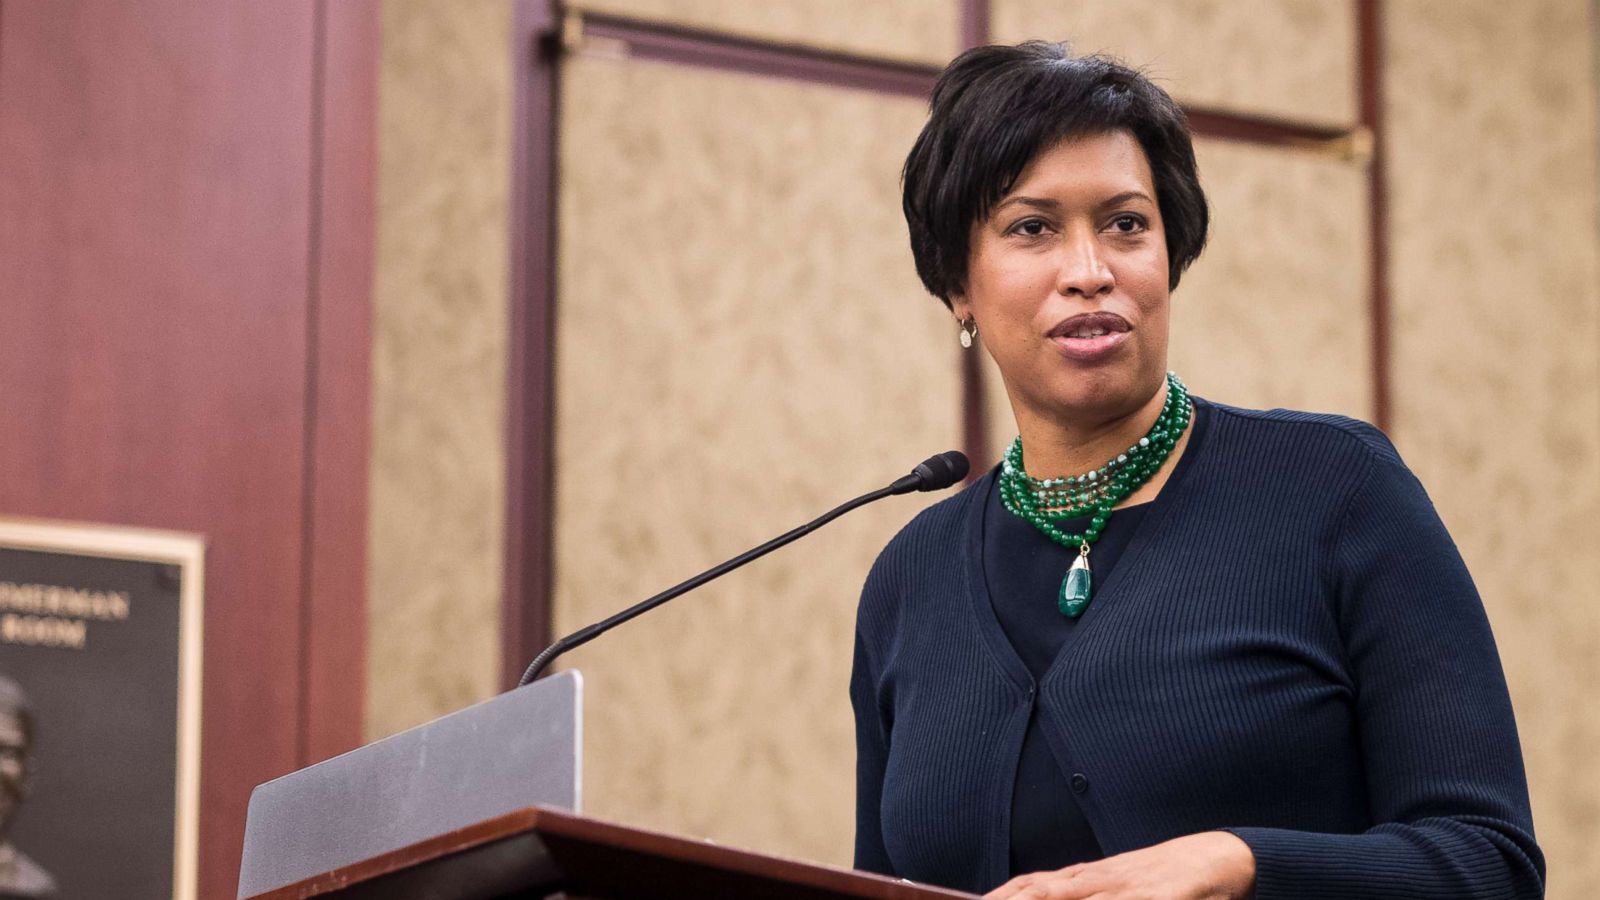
(1043, 502)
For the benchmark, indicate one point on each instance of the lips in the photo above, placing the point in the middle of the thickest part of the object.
(1088, 325)
(1089, 337)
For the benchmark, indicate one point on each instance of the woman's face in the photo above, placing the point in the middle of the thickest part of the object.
(1068, 283)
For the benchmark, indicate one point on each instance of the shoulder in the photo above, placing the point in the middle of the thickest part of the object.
(29, 879)
(923, 555)
(941, 523)
(1332, 447)
(1342, 465)
(1306, 465)
(1312, 429)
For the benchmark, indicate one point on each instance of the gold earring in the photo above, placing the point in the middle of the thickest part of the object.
(969, 332)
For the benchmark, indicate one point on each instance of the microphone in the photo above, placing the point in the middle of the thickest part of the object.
(932, 474)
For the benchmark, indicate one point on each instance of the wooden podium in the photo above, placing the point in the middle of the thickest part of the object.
(539, 852)
(477, 805)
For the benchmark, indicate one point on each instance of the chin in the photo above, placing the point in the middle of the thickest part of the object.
(1106, 395)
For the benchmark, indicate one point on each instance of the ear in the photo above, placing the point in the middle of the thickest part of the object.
(961, 307)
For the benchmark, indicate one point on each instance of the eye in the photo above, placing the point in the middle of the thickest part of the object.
(1030, 227)
(1127, 223)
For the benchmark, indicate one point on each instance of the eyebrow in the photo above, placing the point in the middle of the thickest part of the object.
(1048, 204)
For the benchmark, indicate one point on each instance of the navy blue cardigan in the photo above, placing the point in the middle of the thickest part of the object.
(1290, 649)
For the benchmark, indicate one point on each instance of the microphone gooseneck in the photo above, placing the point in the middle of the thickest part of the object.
(932, 474)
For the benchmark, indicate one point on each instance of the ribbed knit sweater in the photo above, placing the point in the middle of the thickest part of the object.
(1289, 649)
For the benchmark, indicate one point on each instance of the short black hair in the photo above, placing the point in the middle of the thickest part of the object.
(995, 108)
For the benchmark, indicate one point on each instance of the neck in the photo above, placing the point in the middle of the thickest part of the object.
(1058, 446)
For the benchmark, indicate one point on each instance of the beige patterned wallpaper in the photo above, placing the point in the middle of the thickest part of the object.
(742, 344)
(439, 360)
(912, 30)
(1274, 313)
(1497, 357)
(1292, 59)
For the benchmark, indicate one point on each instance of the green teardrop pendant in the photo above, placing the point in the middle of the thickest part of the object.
(1045, 503)
(1075, 589)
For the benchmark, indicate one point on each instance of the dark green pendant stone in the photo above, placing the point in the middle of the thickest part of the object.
(1074, 597)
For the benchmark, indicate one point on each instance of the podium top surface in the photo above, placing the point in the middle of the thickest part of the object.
(541, 847)
(515, 750)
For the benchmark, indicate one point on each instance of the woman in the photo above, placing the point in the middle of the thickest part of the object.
(1169, 647)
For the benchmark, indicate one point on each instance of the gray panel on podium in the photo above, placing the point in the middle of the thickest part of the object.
(518, 749)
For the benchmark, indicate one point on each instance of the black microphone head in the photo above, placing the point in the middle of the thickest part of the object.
(942, 470)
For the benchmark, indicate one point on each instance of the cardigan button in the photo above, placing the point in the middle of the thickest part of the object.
(1080, 783)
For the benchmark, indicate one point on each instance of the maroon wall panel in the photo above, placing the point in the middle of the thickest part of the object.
(335, 617)
(164, 201)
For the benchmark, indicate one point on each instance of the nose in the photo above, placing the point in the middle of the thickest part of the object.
(1083, 271)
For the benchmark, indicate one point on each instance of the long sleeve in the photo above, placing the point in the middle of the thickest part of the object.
(872, 752)
(1444, 773)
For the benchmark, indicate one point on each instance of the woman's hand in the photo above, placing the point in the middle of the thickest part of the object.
(1210, 866)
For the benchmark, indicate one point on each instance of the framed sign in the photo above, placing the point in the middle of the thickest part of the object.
(100, 650)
